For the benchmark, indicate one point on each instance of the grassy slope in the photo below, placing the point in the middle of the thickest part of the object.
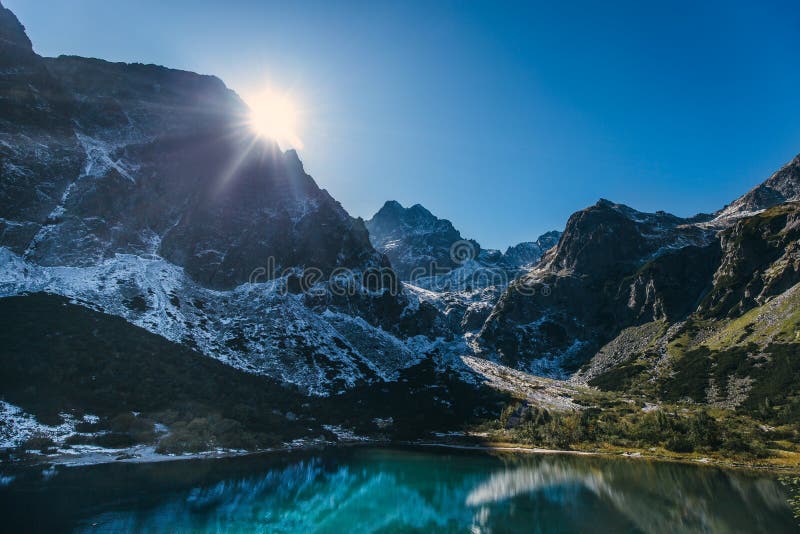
(674, 376)
(761, 346)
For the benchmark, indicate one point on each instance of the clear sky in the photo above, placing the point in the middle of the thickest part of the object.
(504, 118)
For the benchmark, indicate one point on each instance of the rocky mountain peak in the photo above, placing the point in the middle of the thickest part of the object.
(598, 236)
(610, 236)
(391, 205)
(416, 217)
(782, 186)
(13, 38)
(420, 211)
(550, 237)
(527, 254)
(413, 238)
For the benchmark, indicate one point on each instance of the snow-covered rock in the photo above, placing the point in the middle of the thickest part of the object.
(260, 328)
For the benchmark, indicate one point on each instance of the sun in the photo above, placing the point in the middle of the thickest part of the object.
(275, 116)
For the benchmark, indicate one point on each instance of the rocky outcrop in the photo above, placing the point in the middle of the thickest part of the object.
(783, 186)
(760, 260)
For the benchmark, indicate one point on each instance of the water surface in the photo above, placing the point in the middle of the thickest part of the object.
(391, 490)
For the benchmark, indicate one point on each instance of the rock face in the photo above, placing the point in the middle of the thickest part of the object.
(141, 191)
(39, 153)
(416, 242)
(613, 266)
(760, 260)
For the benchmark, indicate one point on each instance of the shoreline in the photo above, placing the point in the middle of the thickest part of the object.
(628, 455)
(146, 454)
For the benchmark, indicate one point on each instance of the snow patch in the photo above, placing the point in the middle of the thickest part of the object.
(17, 426)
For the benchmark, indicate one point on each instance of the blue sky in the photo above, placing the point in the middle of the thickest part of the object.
(504, 118)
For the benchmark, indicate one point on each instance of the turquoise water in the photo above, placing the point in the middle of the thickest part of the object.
(390, 490)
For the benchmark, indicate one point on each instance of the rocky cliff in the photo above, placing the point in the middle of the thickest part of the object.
(612, 266)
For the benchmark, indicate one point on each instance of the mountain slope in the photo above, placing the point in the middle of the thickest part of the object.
(599, 279)
(62, 358)
(141, 191)
(740, 348)
(103, 382)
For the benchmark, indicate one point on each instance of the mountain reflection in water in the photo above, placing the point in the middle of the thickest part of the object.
(380, 490)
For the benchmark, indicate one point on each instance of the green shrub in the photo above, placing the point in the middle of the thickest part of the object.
(213, 431)
(114, 440)
(678, 443)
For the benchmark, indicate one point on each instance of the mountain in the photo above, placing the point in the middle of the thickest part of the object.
(419, 244)
(64, 361)
(760, 261)
(738, 347)
(527, 254)
(158, 258)
(456, 276)
(700, 309)
(158, 161)
(599, 278)
(697, 318)
(140, 191)
(76, 377)
(416, 242)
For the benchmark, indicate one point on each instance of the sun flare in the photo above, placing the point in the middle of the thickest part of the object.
(275, 116)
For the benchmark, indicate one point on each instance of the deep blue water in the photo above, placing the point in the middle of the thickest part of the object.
(390, 490)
